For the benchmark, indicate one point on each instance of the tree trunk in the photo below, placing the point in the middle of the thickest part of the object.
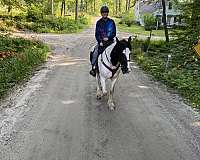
(81, 6)
(164, 21)
(86, 6)
(52, 8)
(9, 6)
(116, 5)
(61, 12)
(126, 5)
(76, 11)
(129, 4)
(119, 6)
(94, 6)
(64, 7)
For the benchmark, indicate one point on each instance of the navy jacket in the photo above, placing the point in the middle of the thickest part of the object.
(105, 28)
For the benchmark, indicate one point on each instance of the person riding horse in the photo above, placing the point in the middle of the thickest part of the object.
(105, 33)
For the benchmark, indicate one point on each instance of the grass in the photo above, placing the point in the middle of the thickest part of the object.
(138, 30)
(18, 58)
(181, 74)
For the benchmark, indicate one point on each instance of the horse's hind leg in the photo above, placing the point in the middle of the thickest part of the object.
(99, 88)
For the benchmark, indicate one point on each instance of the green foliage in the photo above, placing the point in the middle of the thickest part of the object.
(149, 22)
(56, 24)
(34, 13)
(183, 72)
(42, 24)
(127, 19)
(17, 67)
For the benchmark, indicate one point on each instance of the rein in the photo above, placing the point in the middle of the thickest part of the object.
(110, 69)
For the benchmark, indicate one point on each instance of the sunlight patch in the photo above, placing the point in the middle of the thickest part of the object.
(67, 64)
(68, 102)
(143, 87)
(196, 124)
(134, 67)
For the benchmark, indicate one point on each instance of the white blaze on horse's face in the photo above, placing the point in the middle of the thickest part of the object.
(127, 52)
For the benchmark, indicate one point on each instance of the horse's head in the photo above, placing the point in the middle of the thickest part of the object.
(124, 48)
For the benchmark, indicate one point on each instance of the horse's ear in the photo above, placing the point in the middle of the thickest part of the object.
(117, 39)
(129, 39)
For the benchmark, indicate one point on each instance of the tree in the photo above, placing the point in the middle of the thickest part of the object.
(76, 11)
(165, 21)
(63, 8)
(11, 3)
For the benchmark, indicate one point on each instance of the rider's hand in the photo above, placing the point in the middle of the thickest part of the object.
(105, 39)
(101, 44)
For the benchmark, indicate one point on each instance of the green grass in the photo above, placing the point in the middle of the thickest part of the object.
(138, 30)
(16, 68)
(182, 73)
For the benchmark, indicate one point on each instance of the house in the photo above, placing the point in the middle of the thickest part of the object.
(143, 7)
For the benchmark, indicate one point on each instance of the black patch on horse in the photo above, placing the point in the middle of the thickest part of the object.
(117, 54)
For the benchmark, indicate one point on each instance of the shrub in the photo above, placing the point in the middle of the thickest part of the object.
(34, 13)
(20, 56)
(183, 70)
(149, 22)
(127, 19)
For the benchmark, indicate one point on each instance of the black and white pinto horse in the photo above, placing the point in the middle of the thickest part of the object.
(114, 57)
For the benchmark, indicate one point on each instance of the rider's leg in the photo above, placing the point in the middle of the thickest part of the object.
(94, 61)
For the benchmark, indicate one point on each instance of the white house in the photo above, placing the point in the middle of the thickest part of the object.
(155, 8)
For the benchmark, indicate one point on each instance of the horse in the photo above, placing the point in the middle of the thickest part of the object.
(114, 57)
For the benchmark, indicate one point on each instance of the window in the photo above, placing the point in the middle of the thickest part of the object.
(168, 20)
(175, 20)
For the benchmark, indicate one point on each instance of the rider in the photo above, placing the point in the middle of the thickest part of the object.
(104, 34)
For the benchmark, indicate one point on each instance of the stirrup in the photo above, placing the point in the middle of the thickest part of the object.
(93, 72)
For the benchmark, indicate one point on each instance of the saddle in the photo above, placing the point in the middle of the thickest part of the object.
(100, 49)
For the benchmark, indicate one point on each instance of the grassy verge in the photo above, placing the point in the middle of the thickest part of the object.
(181, 74)
(18, 58)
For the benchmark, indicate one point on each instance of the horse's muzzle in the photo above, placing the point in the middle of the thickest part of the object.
(125, 70)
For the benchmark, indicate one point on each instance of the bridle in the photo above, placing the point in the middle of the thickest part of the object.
(118, 65)
(129, 57)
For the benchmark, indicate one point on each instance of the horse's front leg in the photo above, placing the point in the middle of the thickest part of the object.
(99, 88)
(103, 85)
(111, 104)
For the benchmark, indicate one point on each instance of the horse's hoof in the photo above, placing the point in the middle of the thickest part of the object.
(105, 93)
(111, 106)
(99, 96)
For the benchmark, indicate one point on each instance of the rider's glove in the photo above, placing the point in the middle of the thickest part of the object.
(101, 44)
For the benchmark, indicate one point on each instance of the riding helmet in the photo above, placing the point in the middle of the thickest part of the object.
(104, 9)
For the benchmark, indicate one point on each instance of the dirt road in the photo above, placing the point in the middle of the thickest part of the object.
(56, 116)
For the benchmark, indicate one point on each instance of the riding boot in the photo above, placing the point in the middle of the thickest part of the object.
(93, 71)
